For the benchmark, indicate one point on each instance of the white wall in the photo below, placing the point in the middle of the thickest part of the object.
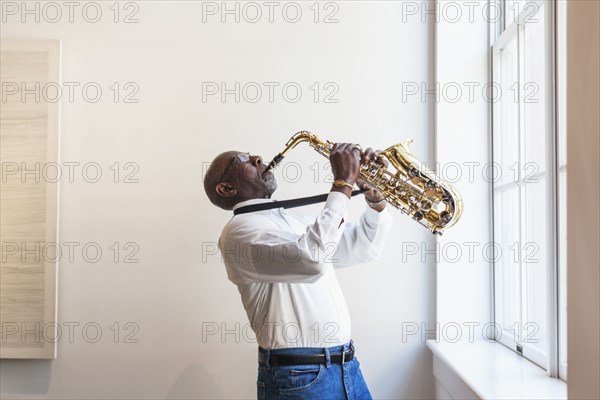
(170, 133)
(464, 281)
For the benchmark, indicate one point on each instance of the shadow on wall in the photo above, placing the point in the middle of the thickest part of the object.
(25, 376)
(195, 382)
(422, 366)
(412, 367)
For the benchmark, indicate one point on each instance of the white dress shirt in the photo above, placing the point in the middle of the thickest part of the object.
(283, 266)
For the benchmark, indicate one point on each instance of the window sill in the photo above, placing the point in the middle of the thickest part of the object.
(490, 371)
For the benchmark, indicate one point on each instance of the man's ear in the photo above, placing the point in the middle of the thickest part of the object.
(224, 189)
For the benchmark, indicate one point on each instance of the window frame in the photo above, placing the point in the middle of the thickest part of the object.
(502, 32)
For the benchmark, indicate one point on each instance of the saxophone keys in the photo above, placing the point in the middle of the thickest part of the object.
(416, 180)
(446, 216)
(430, 192)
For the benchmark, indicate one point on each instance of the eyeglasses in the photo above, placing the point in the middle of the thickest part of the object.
(242, 158)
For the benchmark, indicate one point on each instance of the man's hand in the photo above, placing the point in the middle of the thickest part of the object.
(372, 195)
(345, 164)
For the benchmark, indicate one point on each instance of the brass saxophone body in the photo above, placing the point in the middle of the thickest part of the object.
(405, 184)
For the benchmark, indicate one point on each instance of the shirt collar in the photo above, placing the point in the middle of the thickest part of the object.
(251, 202)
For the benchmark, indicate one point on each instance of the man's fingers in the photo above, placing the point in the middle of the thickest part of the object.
(363, 185)
(367, 155)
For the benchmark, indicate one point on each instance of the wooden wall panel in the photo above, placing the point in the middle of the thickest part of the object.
(29, 129)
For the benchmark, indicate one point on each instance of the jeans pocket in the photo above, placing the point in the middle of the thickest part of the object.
(299, 378)
(304, 377)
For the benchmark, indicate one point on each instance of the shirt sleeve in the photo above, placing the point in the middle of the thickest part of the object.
(363, 240)
(255, 249)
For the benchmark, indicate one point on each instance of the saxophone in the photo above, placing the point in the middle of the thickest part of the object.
(408, 186)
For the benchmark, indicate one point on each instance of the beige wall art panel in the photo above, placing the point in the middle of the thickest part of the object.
(29, 125)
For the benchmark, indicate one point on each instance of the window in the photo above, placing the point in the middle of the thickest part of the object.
(529, 185)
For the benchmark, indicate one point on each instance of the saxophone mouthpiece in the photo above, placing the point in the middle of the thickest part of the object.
(269, 167)
(273, 163)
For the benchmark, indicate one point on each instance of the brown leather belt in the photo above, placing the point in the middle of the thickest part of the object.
(296, 359)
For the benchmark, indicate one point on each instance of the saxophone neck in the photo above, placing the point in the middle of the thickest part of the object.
(302, 136)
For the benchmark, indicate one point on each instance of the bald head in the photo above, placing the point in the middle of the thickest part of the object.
(213, 177)
(235, 176)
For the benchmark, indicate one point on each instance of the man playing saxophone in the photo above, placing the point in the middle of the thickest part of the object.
(283, 265)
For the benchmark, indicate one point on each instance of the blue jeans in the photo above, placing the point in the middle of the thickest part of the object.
(323, 382)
